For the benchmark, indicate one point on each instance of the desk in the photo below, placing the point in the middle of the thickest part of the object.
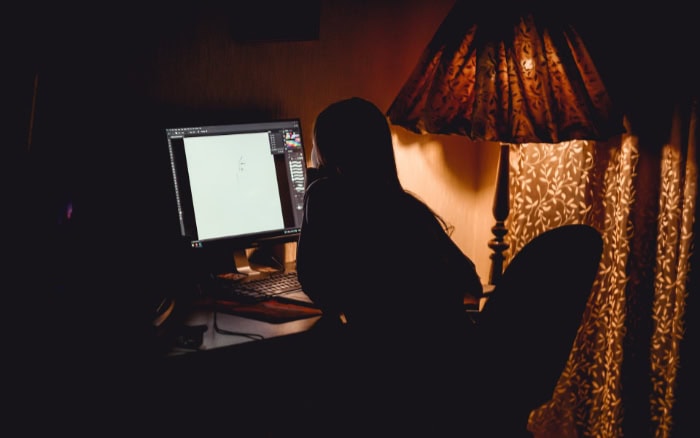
(200, 313)
(204, 316)
(211, 339)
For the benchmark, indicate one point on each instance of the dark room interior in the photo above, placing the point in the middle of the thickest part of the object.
(94, 243)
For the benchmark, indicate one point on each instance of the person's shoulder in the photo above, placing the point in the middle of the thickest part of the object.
(322, 187)
(325, 194)
(326, 186)
(417, 205)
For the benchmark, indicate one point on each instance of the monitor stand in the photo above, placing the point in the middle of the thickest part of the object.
(241, 263)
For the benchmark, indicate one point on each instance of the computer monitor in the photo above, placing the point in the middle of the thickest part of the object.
(238, 186)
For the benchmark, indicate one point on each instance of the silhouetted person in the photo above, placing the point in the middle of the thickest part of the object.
(376, 258)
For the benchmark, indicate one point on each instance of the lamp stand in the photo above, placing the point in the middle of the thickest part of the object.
(501, 209)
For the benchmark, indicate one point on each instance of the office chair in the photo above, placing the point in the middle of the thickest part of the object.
(527, 327)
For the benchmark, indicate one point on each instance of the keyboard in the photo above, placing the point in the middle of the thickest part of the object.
(283, 285)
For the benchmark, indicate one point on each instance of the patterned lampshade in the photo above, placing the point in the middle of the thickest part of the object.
(506, 76)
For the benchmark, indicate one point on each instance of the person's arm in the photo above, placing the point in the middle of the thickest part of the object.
(319, 252)
(460, 267)
(466, 269)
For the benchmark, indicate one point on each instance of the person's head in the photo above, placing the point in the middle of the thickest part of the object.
(352, 138)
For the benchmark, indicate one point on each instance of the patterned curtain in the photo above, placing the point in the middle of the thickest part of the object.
(621, 375)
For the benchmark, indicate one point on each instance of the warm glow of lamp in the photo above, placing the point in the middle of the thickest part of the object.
(506, 76)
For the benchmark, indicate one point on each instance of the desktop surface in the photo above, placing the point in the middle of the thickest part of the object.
(212, 321)
(248, 329)
(218, 329)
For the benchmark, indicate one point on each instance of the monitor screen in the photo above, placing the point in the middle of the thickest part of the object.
(239, 185)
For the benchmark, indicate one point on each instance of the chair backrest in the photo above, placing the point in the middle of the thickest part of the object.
(529, 323)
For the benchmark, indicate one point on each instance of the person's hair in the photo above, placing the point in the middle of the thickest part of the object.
(352, 138)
